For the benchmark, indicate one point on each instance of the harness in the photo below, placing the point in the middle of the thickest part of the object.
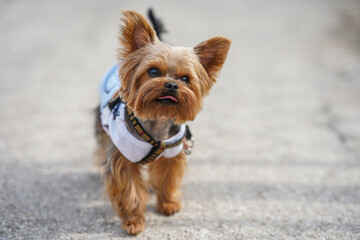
(158, 147)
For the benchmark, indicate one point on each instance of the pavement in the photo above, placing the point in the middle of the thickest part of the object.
(277, 144)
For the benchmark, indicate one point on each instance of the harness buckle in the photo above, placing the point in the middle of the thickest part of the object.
(188, 145)
(189, 141)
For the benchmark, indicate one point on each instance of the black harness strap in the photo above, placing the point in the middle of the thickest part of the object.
(158, 146)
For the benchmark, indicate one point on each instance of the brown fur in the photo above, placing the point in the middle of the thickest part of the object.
(139, 51)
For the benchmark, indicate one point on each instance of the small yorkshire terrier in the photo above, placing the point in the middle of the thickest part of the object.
(146, 99)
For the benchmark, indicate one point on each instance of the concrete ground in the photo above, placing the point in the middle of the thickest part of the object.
(277, 144)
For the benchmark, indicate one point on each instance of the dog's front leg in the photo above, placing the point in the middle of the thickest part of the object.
(165, 176)
(128, 193)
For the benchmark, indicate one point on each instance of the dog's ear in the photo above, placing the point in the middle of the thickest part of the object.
(135, 33)
(212, 54)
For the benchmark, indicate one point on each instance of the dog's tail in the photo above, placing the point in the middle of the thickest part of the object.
(157, 24)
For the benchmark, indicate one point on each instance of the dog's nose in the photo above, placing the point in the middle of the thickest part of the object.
(171, 87)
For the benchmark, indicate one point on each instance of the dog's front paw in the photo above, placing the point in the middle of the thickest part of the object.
(134, 226)
(169, 208)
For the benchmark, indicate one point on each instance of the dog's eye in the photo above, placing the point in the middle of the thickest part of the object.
(154, 72)
(185, 79)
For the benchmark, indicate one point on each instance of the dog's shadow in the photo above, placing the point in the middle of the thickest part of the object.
(75, 205)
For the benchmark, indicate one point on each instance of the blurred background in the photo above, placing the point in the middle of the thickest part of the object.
(277, 144)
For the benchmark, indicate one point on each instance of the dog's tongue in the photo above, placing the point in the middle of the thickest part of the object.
(171, 98)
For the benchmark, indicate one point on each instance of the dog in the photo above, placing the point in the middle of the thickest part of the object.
(147, 98)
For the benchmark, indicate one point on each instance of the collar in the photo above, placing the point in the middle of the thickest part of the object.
(158, 147)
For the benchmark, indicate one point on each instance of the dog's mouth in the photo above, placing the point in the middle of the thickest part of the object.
(168, 99)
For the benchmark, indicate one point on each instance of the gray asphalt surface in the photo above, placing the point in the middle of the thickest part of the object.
(277, 145)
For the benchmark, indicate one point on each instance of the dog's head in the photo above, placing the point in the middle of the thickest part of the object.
(163, 81)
